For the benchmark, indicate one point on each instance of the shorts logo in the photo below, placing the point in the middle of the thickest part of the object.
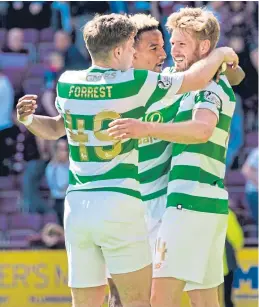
(161, 250)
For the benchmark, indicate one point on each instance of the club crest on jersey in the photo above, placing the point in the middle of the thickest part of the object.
(165, 82)
(213, 98)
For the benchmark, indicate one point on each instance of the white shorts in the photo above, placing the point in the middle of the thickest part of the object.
(190, 247)
(104, 229)
(155, 209)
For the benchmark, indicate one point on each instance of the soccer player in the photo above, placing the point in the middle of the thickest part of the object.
(104, 222)
(190, 245)
(154, 154)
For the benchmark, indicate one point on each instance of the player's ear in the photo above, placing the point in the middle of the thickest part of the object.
(135, 55)
(204, 46)
(117, 52)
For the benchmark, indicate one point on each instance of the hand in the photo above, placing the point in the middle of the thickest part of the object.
(128, 128)
(26, 106)
(230, 56)
(220, 70)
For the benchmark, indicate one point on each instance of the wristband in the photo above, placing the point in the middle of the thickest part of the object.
(28, 121)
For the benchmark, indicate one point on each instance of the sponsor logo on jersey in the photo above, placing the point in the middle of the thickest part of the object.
(155, 117)
(109, 75)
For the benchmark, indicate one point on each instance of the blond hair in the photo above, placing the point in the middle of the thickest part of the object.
(103, 33)
(144, 23)
(201, 22)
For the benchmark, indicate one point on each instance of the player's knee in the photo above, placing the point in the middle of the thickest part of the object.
(140, 300)
(88, 297)
(158, 300)
(199, 301)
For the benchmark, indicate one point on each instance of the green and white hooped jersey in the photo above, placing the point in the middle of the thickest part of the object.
(89, 100)
(196, 180)
(154, 154)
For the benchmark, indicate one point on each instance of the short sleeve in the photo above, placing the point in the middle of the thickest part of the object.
(171, 82)
(58, 107)
(209, 98)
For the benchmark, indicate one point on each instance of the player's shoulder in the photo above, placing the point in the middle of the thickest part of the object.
(221, 89)
(73, 76)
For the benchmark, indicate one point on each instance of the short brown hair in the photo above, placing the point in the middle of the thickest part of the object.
(105, 32)
(200, 21)
(144, 23)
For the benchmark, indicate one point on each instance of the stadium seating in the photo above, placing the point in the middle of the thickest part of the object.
(31, 36)
(46, 35)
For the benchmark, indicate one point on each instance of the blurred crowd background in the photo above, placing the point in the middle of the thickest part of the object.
(41, 39)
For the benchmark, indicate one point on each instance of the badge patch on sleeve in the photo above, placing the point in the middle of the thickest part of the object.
(165, 82)
(213, 98)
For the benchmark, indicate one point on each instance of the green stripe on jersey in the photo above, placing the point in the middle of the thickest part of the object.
(155, 172)
(126, 191)
(154, 195)
(155, 150)
(208, 149)
(228, 90)
(194, 173)
(103, 91)
(202, 204)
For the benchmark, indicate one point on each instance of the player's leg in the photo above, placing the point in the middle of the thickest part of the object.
(86, 265)
(135, 287)
(88, 297)
(205, 294)
(126, 249)
(166, 292)
(114, 297)
(204, 297)
(182, 252)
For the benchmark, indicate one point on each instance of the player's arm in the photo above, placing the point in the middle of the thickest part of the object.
(195, 131)
(201, 72)
(49, 128)
(234, 76)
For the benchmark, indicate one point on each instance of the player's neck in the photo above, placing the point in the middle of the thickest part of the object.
(101, 64)
(105, 64)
